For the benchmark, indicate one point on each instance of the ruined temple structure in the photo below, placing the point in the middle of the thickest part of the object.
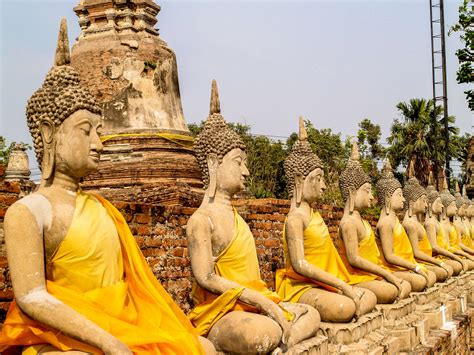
(132, 72)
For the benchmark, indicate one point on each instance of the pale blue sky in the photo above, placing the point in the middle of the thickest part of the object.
(334, 62)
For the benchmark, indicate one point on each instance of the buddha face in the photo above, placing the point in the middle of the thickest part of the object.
(420, 205)
(314, 185)
(232, 171)
(437, 206)
(451, 210)
(78, 145)
(397, 200)
(363, 197)
(470, 211)
(462, 211)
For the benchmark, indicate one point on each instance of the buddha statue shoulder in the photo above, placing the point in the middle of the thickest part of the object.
(438, 239)
(416, 204)
(450, 211)
(80, 282)
(231, 300)
(362, 252)
(396, 248)
(314, 273)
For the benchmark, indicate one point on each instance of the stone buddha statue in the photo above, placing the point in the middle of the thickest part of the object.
(81, 284)
(449, 212)
(233, 305)
(438, 240)
(396, 248)
(416, 205)
(362, 252)
(314, 273)
(468, 219)
(462, 229)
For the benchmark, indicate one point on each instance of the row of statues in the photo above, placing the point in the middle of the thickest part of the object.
(82, 285)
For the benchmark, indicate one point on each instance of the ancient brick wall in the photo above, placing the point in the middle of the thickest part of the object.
(160, 233)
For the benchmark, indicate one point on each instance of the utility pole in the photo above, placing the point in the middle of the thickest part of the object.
(438, 62)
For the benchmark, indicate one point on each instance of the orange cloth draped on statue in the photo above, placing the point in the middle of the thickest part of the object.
(453, 240)
(467, 237)
(402, 247)
(99, 271)
(320, 251)
(238, 262)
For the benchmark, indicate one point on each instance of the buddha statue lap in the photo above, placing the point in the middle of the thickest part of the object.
(450, 210)
(81, 284)
(362, 252)
(396, 248)
(435, 232)
(233, 305)
(416, 203)
(314, 273)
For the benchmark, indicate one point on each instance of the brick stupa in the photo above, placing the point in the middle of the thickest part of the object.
(132, 72)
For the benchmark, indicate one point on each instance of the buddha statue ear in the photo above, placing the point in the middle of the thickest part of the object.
(47, 130)
(352, 193)
(388, 203)
(430, 212)
(212, 165)
(298, 188)
(410, 208)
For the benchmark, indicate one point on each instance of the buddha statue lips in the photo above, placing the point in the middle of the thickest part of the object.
(231, 299)
(79, 278)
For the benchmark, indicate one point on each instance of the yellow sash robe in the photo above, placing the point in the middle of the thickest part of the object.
(467, 237)
(402, 247)
(368, 248)
(238, 262)
(453, 240)
(320, 251)
(99, 271)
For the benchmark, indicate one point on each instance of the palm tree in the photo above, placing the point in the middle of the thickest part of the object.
(420, 135)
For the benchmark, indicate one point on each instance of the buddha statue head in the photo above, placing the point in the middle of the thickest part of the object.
(63, 118)
(448, 200)
(434, 200)
(414, 193)
(355, 184)
(389, 190)
(304, 170)
(220, 153)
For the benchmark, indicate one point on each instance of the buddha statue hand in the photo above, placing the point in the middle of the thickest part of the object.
(275, 312)
(420, 271)
(354, 294)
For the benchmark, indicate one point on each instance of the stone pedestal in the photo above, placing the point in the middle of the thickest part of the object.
(317, 345)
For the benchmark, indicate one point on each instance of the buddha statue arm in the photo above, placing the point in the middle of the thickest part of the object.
(198, 233)
(431, 232)
(413, 235)
(459, 230)
(385, 232)
(27, 270)
(351, 243)
(294, 239)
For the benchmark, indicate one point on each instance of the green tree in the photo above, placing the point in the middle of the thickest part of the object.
(465, 26)
(371, 150)
(420, 134)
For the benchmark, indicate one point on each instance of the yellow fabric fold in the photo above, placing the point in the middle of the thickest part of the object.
(368, 248)
(129, 302)
(424, 245)
(319, 250)
(238, 263)
(441, 237)
(181, 139)
(453, 240)
(467, 238)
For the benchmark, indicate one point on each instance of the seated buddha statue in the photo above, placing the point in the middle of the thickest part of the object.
(314, 273)
(459, 222)
(81, 284)
(362, 252)
(233, 305)
(416, 204)
(467, 220)
(396, 248)
(435, 232)
(450, 210)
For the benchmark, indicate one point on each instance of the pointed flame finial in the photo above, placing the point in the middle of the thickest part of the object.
(355, 151)
(456, 187)
(62, 57)
(431, 179)
(464, 192)
(302, 135)
(411, 168)
(215, 102)
(445, 183)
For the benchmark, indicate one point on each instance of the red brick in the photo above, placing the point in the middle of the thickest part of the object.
(188, 211)
(6, 295)
(153, 252)
(271, 243)
(142, 218)
(3, 262)
(8, 200)
(12, 186)
(144, 230)
(120, 205)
